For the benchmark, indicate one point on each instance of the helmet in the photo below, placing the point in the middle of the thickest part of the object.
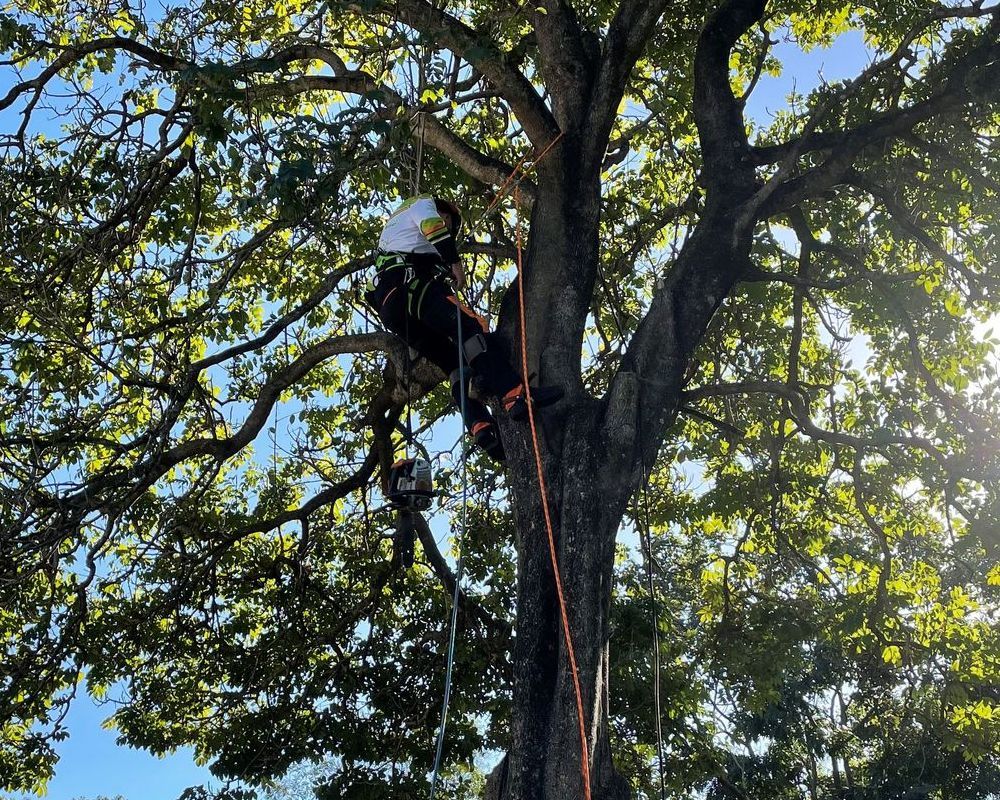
(453, 213)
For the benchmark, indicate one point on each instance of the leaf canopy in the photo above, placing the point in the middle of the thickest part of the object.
(194, 401)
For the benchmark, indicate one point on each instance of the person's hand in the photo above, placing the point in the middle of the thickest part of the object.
(459, 275)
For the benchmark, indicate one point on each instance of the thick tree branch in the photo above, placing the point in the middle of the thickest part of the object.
(474, 163)
(479, 50)
(717, 112)
(715, 255)
(221, 449)
(477, 165)
(502, 250)
(972, 79)
(895, 120)
(484, 168)
(356, 83)
(112, 487)
(71, 55)
(627, 37)
(567, 56)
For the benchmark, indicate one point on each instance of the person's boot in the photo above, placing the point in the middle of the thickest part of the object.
(515, 402)
(487, 438)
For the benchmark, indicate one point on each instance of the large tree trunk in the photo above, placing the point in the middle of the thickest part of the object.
(592, 460)
(544, 759)
(591, 452)
(545, 752)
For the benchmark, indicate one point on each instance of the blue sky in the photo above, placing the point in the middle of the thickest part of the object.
(91, 763)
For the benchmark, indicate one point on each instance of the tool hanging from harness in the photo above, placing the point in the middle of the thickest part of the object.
(410, 490)
(411, 484)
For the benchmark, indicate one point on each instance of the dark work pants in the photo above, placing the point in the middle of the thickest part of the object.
(423, 312)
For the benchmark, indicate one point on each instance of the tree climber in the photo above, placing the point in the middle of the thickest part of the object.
(411, 292)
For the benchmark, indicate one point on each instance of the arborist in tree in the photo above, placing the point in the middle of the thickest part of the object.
(417, 266)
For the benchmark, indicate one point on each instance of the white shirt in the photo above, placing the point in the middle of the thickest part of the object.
(413, 227)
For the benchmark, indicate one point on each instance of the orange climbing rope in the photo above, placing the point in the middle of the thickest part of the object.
(584, 750)
(513, 181)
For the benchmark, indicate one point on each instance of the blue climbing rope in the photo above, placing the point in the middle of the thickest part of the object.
(458, 568)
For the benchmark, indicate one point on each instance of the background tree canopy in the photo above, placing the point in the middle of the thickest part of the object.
(782, 326)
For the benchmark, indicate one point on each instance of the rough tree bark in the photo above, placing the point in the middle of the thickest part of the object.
(593, 457)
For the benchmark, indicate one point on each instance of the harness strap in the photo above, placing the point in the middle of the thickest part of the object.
(385, 262)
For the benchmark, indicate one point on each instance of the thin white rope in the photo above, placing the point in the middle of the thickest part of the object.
(646, 548)
(421, 125)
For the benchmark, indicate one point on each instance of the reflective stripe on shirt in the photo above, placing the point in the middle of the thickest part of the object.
(414, 227)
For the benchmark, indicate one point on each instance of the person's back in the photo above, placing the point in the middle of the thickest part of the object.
(418, 227)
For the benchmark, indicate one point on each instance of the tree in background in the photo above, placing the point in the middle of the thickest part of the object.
(196, 408)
